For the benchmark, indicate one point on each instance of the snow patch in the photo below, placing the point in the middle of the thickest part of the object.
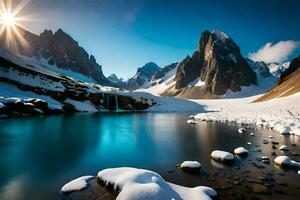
(139, 184)
(76, 184)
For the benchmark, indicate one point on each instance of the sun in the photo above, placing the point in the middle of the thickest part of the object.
(7, 19)
(11, 24)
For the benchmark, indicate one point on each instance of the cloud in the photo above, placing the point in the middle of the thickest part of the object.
(278, 52)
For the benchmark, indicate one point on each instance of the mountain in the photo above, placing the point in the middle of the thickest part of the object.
(28, 88)
(277, 68)
(60, 50)
(216, 67)
(288, 83)
(143, 76)
(115, 79)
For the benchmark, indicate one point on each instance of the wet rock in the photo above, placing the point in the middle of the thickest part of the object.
(284, 148)
(260, 188)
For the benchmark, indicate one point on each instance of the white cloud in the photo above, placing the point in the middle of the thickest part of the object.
(278, 52)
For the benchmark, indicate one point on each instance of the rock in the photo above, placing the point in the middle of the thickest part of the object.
(222, 156)
(252, 134)
(241, 130)
(265, 142)
(190, 166)
(284, 148)
(217, 62)
(260, 189)
(241, 151)
(283, 161)
(191, 121)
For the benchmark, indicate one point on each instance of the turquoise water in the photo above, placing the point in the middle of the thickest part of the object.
(40, 154)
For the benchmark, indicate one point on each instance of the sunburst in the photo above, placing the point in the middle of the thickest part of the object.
(11, 28)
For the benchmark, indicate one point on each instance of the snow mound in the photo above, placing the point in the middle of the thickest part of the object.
(241, 151)
(190, 165)
(76, 184)
(222, 156)
(85, 106)
(140, 184)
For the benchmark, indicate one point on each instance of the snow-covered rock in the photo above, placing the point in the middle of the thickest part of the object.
(222, 156)
(241, 151)
(191, 121)
(76, 184)
(140, 184)
(284, 148)
(241, 130)
(190, 166)
(284, 161)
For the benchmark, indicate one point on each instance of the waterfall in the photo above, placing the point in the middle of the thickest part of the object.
(116, 100)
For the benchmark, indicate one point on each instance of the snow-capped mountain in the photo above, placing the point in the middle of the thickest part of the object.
(288, 83)
(59, 52)
(28, 88)
(143, 76)
(277, 68)
(115, 79)
(216, 70)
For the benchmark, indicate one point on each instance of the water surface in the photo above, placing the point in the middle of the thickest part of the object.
(40, 154)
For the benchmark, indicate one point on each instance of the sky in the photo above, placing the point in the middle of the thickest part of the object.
(125, 34)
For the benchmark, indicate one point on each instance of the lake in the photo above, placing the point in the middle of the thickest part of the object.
(40, 154)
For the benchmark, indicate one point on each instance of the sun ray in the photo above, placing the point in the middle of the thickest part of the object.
(11, 27)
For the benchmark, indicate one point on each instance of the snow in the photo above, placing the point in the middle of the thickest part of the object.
(283, 161)
(191, 121)
(76, 184)
(241, 151)
(163, 83)
(220, 35)
(241, 130)
(190, 164)
(2, 105)
(281, 114)
(8, 91)
(40, 81)
(284, 148)
(222, 156)
(85, 106)
(168, 104)
(140, 184)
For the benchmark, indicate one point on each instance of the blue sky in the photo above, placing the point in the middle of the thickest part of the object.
(125, 34)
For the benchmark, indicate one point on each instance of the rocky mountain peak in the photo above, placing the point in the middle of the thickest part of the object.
(148, 69)
(218, 62)
(61, 50)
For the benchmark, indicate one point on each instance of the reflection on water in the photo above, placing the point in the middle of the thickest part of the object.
(40, 154)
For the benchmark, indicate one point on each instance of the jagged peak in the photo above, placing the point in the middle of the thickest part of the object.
(220, 35)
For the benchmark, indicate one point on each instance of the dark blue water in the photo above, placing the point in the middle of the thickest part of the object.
(39, 154)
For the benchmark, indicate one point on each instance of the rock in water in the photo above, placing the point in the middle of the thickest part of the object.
(284, 148)
(190, 166)
(241, 151)
(283, 161)
(222, 156)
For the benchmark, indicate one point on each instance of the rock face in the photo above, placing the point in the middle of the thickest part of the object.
(288, 83)
(143, 76)
(217, 62)
(163, 71)
(60, 49)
